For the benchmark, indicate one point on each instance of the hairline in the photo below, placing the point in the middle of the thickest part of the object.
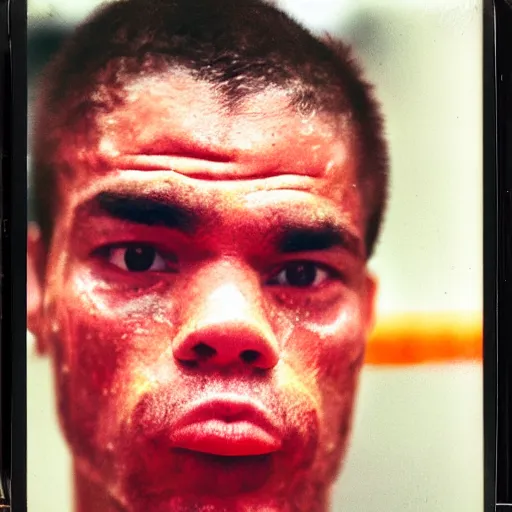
(333, 95)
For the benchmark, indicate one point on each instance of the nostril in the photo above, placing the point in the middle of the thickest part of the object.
(189, 364)
(250, 356)
(203, 351)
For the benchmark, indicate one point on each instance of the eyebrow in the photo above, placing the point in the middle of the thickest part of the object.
(291, 237)
(325, 236)
(147, 211)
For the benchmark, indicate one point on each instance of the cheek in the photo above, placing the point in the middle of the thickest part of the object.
(86, 365)
(328, 349)
(328, 355)
(99, 347)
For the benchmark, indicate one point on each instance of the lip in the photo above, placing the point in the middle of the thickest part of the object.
(227, 426)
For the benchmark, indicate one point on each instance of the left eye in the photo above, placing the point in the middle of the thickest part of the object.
(302, 274)
(136, 258)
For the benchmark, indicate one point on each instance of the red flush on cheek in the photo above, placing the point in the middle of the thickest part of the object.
(95, 358)
(86, 361)
(93, 376)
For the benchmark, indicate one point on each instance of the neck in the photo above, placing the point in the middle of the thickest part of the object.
(91, 496)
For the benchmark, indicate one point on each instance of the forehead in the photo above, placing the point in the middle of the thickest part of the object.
(172, 126)
(174, 112)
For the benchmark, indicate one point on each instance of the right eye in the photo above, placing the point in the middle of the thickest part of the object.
(135, 258)
(301, 274)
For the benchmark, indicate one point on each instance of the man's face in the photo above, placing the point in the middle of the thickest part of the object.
(206, 301)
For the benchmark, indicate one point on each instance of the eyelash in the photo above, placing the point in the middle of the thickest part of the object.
(108, 253)
(326, 272)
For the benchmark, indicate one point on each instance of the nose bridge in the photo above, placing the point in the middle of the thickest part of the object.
(226, 322)
(231, 302)
(225, 292)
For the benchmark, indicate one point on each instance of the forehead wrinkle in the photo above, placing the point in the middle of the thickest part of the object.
(245, 111)
(257, 107)
(164, 183)
(253, 193)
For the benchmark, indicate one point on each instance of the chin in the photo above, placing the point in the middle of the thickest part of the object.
(213, 480)
(211, 504)
(163, 479)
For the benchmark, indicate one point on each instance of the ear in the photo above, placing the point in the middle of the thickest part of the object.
(370, 301)
(36, 263)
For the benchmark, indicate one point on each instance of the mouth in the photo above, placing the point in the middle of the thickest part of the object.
(227, 426)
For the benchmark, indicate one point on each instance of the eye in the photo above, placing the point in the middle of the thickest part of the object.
(300, 274)
(135, 258)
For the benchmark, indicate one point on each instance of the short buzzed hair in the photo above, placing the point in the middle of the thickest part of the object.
(239, 46)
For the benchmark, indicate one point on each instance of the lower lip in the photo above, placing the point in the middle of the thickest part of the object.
(216, 437)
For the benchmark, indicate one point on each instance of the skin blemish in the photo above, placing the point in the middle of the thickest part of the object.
(90, 292)
(107, 147)
(55, 327)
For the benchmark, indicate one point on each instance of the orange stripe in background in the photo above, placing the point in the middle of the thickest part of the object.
(417, 338)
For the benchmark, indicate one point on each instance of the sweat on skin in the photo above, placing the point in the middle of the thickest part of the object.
(246, 231)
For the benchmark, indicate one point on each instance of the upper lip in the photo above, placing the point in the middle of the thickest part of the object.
(229, 408)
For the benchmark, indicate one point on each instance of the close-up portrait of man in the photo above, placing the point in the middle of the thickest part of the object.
(209, 181)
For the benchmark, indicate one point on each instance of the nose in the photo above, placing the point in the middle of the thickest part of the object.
(226, 328)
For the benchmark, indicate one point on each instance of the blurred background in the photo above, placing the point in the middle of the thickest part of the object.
(418, 434)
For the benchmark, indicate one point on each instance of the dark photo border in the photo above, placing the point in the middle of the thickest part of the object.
(14, 248)
(503, 90)
(490, 256)
(497, 190)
